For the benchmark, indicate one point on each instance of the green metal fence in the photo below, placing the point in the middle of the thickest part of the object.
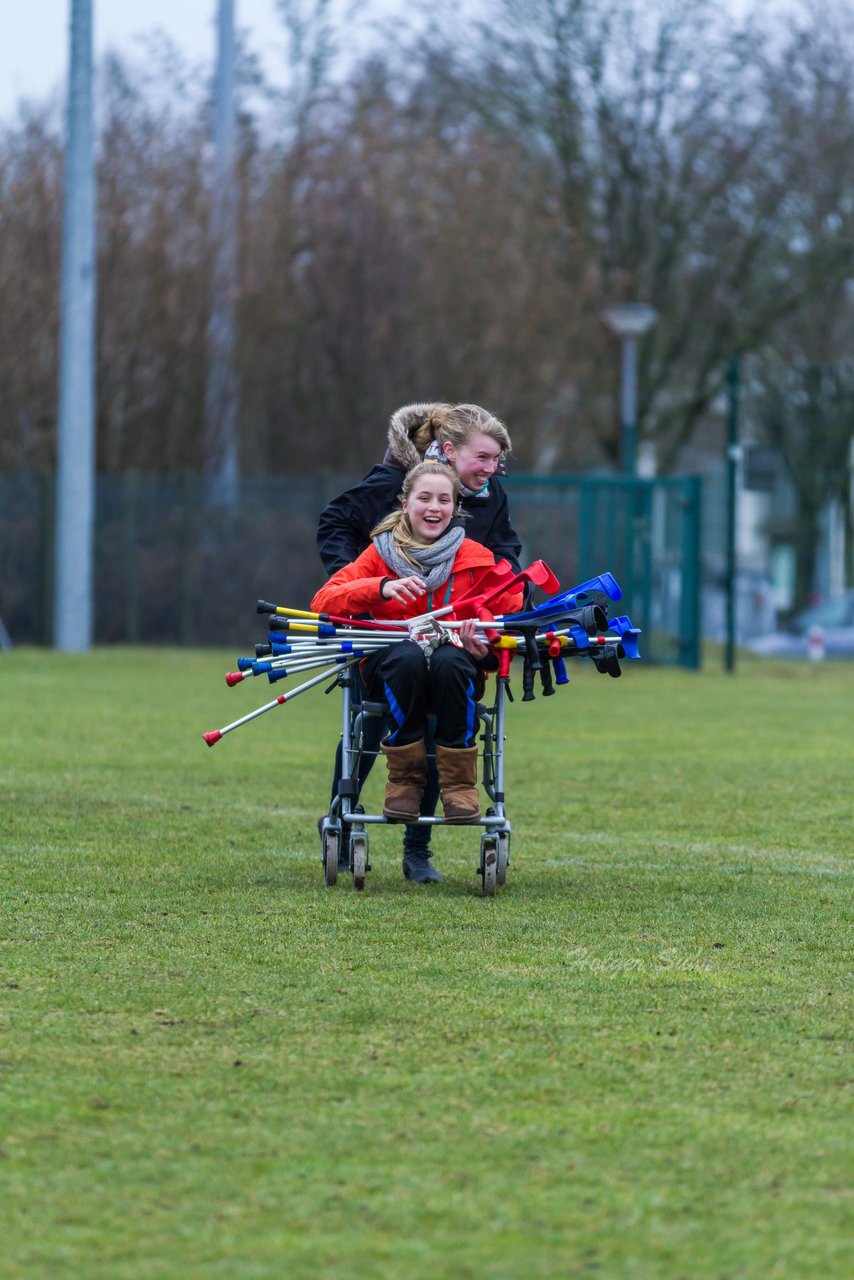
(644, 531)
(169, 569)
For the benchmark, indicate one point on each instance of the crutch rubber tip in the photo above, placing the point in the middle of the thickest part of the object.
(264, 606)
(233, 677)
(212, 737)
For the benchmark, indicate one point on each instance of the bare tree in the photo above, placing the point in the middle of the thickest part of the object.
(154, 265)
(807, 412)
(686, 158)
(30, 232)
(448, 222)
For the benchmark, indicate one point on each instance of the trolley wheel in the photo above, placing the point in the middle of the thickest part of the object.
(488, 865)
(330, 856)
(503, 861)
(359, 859)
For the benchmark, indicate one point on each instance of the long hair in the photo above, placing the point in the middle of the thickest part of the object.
(456, 424)
(399, 523)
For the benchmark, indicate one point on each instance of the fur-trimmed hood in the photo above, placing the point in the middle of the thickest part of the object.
(347, 521)
(411, 431)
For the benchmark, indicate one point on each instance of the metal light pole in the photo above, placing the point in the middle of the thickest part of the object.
(221, 392)
(733, 457)
(75, 500)
(629, 321)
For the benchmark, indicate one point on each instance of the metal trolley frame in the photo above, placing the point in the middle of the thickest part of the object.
(347, 815)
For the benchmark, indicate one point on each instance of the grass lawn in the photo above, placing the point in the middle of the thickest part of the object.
(630, 1063)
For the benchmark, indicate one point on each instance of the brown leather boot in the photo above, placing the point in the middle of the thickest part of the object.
(407, 777)
(457, 768)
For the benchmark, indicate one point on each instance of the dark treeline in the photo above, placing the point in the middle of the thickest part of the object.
(448, 221)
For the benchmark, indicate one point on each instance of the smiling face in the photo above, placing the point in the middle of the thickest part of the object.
(476, 460)
(430, 506)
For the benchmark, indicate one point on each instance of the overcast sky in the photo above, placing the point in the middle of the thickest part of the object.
(34, 34)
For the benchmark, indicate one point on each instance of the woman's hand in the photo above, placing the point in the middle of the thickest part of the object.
(475, 647)
(403, 589)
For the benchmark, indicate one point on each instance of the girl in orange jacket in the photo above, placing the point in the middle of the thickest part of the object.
(417, 561)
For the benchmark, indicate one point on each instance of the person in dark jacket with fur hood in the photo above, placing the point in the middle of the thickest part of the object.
(470, 439)
(474, 443)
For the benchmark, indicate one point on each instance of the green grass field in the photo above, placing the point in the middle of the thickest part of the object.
(630, 1063)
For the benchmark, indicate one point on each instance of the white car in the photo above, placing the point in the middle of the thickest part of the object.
(828, 626)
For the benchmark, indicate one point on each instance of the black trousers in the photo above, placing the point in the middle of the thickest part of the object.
(448, 687)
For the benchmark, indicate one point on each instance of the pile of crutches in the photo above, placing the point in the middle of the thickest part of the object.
(566, 624)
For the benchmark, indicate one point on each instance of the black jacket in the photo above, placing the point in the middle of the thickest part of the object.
(346, 523)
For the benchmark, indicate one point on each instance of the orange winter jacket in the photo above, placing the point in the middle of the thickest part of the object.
(355, 589)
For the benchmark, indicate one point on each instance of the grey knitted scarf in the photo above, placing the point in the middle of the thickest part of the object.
(434, 562)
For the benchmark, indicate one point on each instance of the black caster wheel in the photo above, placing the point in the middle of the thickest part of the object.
(359, 859)
(331, 845)
(488, 865)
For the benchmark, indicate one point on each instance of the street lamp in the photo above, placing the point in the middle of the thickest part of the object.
(629, 321)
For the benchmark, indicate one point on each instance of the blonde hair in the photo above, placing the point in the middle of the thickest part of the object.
(456, 423)
(398, 521)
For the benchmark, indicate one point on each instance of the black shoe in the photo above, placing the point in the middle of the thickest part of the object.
(417, 867)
